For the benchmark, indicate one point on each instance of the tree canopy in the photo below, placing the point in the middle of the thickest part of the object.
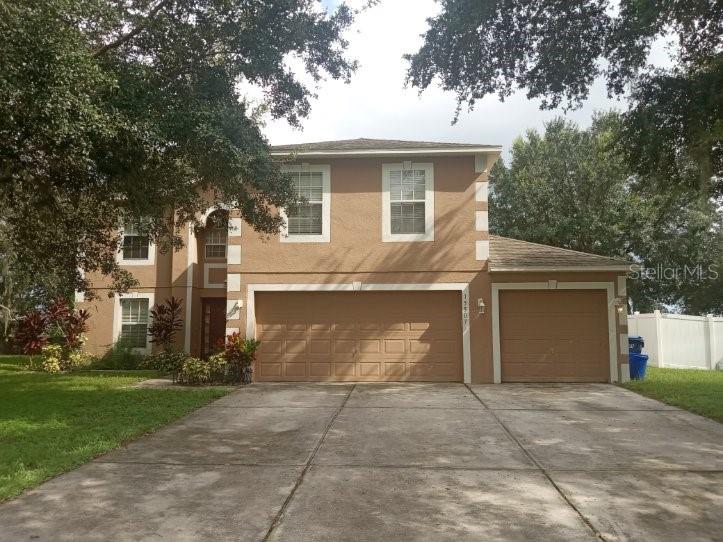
(555, 50)
(570, 187)
(122, 110)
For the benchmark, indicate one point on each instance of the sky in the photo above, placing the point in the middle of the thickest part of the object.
(375, 104)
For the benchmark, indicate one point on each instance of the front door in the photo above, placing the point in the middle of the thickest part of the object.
(214, 326)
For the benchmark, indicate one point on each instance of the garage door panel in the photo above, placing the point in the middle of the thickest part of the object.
(370, 370)
(344, 346)
(345, 369)
(395, 346)
(270, 346)
(360, 336)
(370, 346)
(395, 369)
(317, 369)
(294, 369)
(319, 346)
(554, 336)
(296, 346)
(268, 370)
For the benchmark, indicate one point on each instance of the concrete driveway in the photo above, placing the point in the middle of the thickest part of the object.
(398, 462)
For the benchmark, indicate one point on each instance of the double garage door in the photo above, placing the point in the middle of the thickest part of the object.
(554, 336)
(362, 336)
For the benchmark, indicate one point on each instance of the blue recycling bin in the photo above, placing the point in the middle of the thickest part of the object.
(638, 360)
(638, 364)
(635, 344)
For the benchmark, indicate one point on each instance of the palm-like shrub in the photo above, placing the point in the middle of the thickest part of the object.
(166, 321)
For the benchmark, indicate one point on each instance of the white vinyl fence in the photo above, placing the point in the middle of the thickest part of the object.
(680, 341)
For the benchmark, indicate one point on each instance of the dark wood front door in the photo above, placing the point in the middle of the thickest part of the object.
(214, 325)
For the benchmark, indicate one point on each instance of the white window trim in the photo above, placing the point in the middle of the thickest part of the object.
(325, 236)
(552, 285)
(461, 287)
(151, 260)
(428, 235)
(118, 317)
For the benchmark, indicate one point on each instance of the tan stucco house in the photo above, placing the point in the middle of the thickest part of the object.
(388, 273)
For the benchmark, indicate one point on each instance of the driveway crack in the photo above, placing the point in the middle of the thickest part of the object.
(279, 516)
(537, 464)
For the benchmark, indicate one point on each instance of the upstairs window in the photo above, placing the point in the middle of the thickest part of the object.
(134, 322)
(136, 248)
(216, 239)
(305, 218)
(135, 245)
(407, 202)
(407, 195)
(309, 220)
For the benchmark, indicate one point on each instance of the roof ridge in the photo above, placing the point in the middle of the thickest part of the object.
(369, 143)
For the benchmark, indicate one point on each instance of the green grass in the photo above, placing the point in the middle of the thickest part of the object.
(52, 423)
(695, 390)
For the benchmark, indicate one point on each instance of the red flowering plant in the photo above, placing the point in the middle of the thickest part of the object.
(57, 326)
(31, 334)
(66, 325)
(240, 354)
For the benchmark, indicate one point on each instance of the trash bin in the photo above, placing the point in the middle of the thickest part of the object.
(638, 364)
(635, 344)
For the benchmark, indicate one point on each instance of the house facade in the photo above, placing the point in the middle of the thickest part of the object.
(387, 273)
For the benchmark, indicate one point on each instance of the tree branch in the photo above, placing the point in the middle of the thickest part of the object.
(133, 33)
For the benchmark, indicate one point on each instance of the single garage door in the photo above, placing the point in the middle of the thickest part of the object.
(367, 336)
(554, 336)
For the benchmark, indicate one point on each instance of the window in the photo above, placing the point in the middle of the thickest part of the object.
(308, 221)
(305, 218)
(135, 245)
(134, 322)
(137, 248)
(407, 194)
(408, 202)
(216, 242)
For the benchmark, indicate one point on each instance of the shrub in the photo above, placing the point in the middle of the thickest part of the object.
(165, 322)
(217, 368)
(194, 371)
(77, 359)
(119, 356)
(57, 325)
(55, 358)
(166, 362)
(31, 333)
(51, 357)
(240, 354)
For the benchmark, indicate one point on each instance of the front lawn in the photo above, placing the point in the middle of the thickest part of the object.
(695, 390)
(52, 423)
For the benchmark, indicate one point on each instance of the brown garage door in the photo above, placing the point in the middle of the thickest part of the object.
(369, 336)
(554, 336)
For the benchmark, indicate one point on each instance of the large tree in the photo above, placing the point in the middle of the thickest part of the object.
(120, 110)
(570, 187)
(555, 49)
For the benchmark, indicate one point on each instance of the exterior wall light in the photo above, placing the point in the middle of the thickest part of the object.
(619, 304)
(481, 307)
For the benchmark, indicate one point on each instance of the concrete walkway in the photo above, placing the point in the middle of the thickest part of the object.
(398, 462)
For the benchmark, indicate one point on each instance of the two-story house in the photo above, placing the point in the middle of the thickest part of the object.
(386, 273)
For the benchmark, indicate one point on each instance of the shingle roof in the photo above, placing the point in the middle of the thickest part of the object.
(365, 144)
(512, 254)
